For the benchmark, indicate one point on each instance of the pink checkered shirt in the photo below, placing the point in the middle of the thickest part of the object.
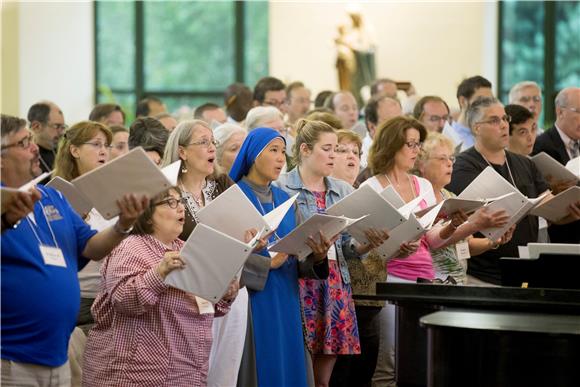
(146, 333)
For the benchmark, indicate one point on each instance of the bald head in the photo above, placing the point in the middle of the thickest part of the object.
(568, 112)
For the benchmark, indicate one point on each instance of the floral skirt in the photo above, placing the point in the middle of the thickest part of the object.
(329, 315)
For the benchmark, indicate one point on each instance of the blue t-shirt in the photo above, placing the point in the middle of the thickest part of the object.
(40, 302)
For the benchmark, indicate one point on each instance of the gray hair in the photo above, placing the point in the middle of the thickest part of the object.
(180, 136)
(260, 114)
(222, 134)
(562, 97)
(475, 111)
(518, 87)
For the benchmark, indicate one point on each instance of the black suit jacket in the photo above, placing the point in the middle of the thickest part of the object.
(551, 143)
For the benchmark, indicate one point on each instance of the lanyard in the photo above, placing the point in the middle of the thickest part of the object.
(410, 183)
(34, 227)
(506, 163)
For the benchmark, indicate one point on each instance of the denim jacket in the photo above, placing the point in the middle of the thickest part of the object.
(335, 190)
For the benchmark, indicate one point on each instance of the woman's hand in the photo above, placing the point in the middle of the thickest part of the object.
(278, 260)
(505, 238)
(232, 291)
(375, 238)
(320, 248)
(458, 218)
(260, 243)
(171, 261)
(131, 208)
(408, 248)
(483, 218)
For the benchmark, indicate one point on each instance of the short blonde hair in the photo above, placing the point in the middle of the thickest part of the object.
(433, 140)
(350, 136)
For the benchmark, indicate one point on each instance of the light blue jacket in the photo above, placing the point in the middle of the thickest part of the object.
(335, 190)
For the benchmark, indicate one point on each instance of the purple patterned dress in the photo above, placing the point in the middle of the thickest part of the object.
(328, 309)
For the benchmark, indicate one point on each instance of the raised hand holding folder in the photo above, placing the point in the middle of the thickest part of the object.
(7, 194)
(212, 260)
(133, 172)
(295, 242)
(233, 214)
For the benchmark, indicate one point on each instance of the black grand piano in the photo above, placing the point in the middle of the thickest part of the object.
(490, 336)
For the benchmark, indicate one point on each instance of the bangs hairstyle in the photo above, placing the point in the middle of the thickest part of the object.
(308, 132)
(144, 223)
(350, 136)
(65, 165)
(181, 136)
(389, 139)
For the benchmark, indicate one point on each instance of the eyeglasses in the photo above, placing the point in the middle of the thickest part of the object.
(206, 143)
(496, 120)
(171, 202)
(24, 143)
(57, 126)
(528, 98)
(275, 103)
(438, 118)
(444, 158)
(344, 150)
(572, 109)
(98, 145)
(414, 145)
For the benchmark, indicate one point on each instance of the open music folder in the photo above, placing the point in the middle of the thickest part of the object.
(556, 208)
(295, 242)
(133, 172)
(233, 213)
(79, 202)
(490, 184)
(212, 260)
(548, 166)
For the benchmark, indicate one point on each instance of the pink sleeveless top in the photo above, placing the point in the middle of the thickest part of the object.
(419, 264)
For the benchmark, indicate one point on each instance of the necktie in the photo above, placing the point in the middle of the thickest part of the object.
(575, 148)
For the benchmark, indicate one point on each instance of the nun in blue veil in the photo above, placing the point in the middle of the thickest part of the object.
(274, 354)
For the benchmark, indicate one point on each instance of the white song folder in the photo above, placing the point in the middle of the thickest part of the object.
(233, 213)
(556, 208)
(295, 242)
(490, 184)
(409, 231)
(212, 260)
(133, 172)
(81, 204)
(548, 166)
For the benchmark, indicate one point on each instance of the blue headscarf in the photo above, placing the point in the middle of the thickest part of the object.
(253, 145)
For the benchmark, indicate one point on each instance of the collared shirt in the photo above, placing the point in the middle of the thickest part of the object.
(40, 302)
(568, 142)
(146, 332)
(467, 139)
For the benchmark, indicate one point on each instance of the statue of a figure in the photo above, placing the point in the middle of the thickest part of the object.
(356, 56)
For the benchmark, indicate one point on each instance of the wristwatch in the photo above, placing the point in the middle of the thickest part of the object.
(117, 228)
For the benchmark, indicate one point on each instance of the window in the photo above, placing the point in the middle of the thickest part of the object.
(186, 53)
(538, 41)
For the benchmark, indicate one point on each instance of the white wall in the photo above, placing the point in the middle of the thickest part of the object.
(56, 56)
(435, 45)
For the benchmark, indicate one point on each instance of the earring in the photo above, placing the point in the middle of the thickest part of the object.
(183, 167)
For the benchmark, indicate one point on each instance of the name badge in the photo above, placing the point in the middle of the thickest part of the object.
(52, 256)
(462, 250)
(332, 253)
(204, 306)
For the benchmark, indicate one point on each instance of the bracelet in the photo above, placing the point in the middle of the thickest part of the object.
(118, 229)
(493, 245)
